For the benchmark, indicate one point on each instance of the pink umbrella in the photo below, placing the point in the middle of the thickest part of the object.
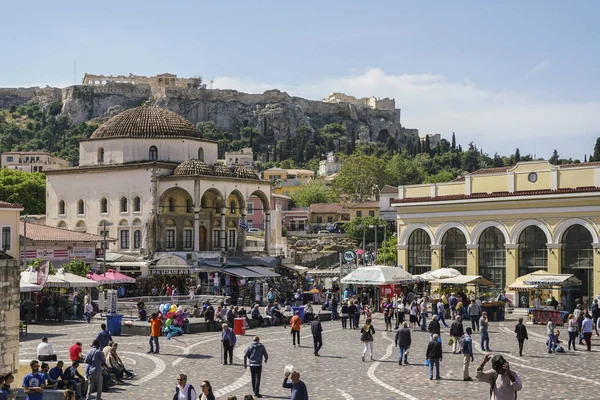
(360, 251)
(111, 277)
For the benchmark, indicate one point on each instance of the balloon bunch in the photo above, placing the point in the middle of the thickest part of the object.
(174, 318)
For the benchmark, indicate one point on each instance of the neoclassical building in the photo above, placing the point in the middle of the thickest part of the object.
(149, 178)
(503, 223)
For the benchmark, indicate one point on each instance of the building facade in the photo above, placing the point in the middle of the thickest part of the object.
(243, 157)
(292, 218)
(9, 228)
(506, 222)
(32, 161)
(329, 166)
(150, 180)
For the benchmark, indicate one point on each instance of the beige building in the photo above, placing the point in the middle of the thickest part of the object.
(149, 177)
(364, 209)
(32, 161)
(506, 222)
(243, 157)
(9, 228)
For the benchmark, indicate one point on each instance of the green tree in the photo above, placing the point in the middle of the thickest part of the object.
(388, 252)
(24, 188)
(596, 155)
(470, 159)
(355, 227)
(314, 192)
(453, 142)
(403, 171)
(36, 264)
(517, 155)
(554, 160)
(358, 175)
(440, 177)
(77, 267)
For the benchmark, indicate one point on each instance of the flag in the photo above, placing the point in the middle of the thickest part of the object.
(243, 225)
(42, 275)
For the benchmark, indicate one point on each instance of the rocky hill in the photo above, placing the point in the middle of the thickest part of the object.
(228, 109)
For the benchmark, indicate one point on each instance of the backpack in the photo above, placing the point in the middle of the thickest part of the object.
(494, 384)
(189, 394)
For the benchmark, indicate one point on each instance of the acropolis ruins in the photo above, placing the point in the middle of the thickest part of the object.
(158, 81)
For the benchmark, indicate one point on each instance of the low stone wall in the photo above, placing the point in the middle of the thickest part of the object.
(9, 315)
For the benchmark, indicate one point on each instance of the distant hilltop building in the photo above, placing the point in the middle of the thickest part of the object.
(158, 81)
(371, 102)
(329, 166)
(32, 161)
(434, 139)
(243, 157)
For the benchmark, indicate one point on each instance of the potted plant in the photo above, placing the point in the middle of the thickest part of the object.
(29, 307)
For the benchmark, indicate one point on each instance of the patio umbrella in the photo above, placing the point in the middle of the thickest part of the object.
(379, 275)
(111, 277)
(30, 276)
(426, 276)
(29, 287)
(360, 251)
(75, 281)
(444, 273)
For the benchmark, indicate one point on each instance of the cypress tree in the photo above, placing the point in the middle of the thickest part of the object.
(596, 156)
(585, 158)
(453, 142)
(517, 155)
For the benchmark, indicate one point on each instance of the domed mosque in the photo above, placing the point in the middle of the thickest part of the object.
(153, 181)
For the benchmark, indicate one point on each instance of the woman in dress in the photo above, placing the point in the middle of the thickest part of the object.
(573, 329)
(366, 336)
(414, 314)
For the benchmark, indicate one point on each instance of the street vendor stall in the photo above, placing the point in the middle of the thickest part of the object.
(539, 280)
(495, 309)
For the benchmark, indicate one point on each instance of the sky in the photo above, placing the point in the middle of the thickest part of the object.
(500, 74)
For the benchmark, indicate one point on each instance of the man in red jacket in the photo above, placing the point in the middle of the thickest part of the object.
(75, 352)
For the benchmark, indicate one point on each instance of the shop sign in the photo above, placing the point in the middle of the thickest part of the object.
(83, 253)
(348, 256)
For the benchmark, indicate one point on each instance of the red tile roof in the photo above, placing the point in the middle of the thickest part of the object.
(45, 233)
(496, 170)
(585, 189)
(366, 204)
(4, 204)
(389, 189)
(583, 164)
(328, 208)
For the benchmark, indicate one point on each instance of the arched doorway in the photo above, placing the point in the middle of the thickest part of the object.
(211, 205)
(533, 254)
(492, 258)
(454, 253)
(578, 259)
(419, 252)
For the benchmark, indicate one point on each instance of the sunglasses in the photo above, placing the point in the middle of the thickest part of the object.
(180, 379)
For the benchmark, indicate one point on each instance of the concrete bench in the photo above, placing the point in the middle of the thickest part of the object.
(49, 394)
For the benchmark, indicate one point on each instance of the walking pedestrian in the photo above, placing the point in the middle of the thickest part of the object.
(183, 390)
(467, 351)
(206, 390)
(595, 315)
(357, 311)
(366, 336)
(414, 311)
(344, 315)
(452, 301)
(88, 309)
(457, 332)
(334, 308)
(296, 324)
(521, 332)
(483, 333)
(434, 327)
(317, 332)
(403, 341)
(441, 311)
(424, 307)
(299, 390)
(255, 353)
(572, 330)
(387, 314)
(587, 328)
(155, 324)
(104, 337)
(34, 383)
(93, 372)
(228, 339)
(352, 310)
(474, 311)
(504, 383)
(434, 355)
(551, 337)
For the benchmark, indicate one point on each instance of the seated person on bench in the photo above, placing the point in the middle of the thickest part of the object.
(57, 375)
(72, 375)
(45, 351)
(256, 315)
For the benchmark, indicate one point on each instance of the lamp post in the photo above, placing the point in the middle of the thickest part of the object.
(104, 244)
(25, 221)
(384, 232)
(364, 228)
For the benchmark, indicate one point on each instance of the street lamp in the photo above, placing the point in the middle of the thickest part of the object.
(384, 226)
(104, 244)
(25, 221)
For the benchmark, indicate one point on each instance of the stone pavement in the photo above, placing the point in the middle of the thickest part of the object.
(339, 373)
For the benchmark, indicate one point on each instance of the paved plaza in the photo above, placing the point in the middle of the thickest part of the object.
(339, 373)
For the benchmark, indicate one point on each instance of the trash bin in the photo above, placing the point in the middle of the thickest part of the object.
(301, 309)
(113, 324)
(239, 326)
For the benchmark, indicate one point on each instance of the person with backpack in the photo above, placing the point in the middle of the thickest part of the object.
(403, 341)
(504, 382)
(255, 352)
(467, 351)
(229, 340)
(183, 390)
(521, 332)
(366, 336)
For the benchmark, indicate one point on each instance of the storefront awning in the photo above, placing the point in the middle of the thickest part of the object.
(242, 272)
(265, 272)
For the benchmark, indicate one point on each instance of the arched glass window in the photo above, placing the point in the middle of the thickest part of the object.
(419, 252)
(100, 155)
(153, 153)
(201, 154)
(492, 257)
(137, 204)
(189, 206)
(578, 259)
(171, 204)
(103, 205)
(80, 207)
(137, 239)
(123, 204)
(533, 254)
(233, 207)
(61, 208)
(454, 253)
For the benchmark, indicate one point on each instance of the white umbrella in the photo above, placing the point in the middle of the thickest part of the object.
(444, 273)
(30, 275)
(379, 275)
(29, 287)
(427, 276)
(75, 281)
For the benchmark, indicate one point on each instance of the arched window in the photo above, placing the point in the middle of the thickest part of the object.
(232, 207)
(201, 154)
(103, 205)
(171, 204)
(153, 153)
(62, 225)
(61, 208)
(454, 253)
(123, 203)
(578, 259)
(189, 205)
(533, 254)
(137, 239)
(80, 207)
(100, 155)
(137, 204)
(419, 252)
(492, 257)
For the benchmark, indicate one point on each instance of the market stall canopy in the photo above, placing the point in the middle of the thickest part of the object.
(75, 281)
(379, 275)
(544, 279)
(444, 273)
(426, 276)
(298, 268)
(324, 273)
(29, 287)
(465, 280)
(30, 275)
(111, 277)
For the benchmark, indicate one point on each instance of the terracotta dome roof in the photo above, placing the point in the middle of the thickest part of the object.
(221, 170)
(244, 172)
(146, 122)
(193, 167)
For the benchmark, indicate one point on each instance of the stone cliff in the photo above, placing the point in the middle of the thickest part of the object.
(228, 109)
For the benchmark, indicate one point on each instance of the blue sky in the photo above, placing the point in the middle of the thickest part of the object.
(504, 75)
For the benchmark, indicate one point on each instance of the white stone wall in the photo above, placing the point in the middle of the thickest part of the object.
(9, 315)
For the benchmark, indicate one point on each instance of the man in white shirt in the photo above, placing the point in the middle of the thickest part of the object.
(537, 302)
(184, 391)
(45, 351)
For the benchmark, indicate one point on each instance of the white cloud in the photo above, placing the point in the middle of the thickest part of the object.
(495, 120)
(539, 67)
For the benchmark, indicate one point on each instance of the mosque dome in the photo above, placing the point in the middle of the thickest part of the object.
(193, 167)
